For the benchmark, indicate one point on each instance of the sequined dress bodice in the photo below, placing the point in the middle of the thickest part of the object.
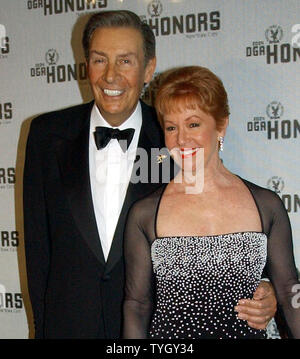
(199, 280)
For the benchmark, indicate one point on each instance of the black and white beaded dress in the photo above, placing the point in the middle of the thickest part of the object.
(199, 280)
(187, 287)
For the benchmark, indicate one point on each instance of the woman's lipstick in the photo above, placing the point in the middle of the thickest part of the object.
(188, 152)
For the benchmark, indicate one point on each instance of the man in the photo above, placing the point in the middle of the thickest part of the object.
(77, 188)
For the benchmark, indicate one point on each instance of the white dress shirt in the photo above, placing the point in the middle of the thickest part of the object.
(110, 171)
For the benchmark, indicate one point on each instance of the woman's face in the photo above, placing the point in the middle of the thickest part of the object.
(187, 132)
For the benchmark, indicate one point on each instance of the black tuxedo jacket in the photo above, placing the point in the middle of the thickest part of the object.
(73, 291)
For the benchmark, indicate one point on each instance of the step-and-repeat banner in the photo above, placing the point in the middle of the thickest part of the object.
(254, 46)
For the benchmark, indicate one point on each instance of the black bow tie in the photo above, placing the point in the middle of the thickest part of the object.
(104, 134)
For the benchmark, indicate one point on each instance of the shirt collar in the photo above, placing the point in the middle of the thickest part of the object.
(134, 121)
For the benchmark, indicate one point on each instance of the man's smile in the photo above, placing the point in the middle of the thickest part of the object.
(113, 93)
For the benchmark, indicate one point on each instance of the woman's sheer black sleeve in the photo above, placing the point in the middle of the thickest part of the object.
(280, 267)
(281, 264)
(139, 287)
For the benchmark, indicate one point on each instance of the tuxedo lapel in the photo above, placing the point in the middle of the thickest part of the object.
(73, 158)
(150, 137)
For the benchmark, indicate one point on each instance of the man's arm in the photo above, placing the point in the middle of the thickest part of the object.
(35, 226)
(261, 308)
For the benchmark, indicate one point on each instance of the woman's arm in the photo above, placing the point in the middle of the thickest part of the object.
(139, 279)
(281, 266)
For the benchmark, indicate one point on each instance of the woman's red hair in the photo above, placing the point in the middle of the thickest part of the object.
(191, 87)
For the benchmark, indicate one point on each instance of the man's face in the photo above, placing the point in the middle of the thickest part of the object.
(117, 72)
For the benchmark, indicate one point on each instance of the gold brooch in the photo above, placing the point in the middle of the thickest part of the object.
(160, 158)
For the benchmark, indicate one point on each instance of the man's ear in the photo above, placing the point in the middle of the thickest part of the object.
(149, 71)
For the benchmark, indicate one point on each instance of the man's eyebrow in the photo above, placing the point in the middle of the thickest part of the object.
(127, 54)
(97, 52)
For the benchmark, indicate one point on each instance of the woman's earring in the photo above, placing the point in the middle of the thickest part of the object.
(221, 140)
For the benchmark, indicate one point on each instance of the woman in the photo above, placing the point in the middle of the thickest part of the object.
(191, 255)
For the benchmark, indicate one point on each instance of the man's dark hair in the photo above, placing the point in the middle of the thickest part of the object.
(119, 18)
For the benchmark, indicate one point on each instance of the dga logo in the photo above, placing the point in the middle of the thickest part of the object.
(192, 25)
(274, 34)
(274, 50)
(275, 184)
(155, 8)
(291, 201)
(51, 57)
(274, 126)
(34, 4)
(54, 72)
(274, 110)
(53, 7)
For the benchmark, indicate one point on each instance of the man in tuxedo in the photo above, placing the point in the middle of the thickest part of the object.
(77, 188)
